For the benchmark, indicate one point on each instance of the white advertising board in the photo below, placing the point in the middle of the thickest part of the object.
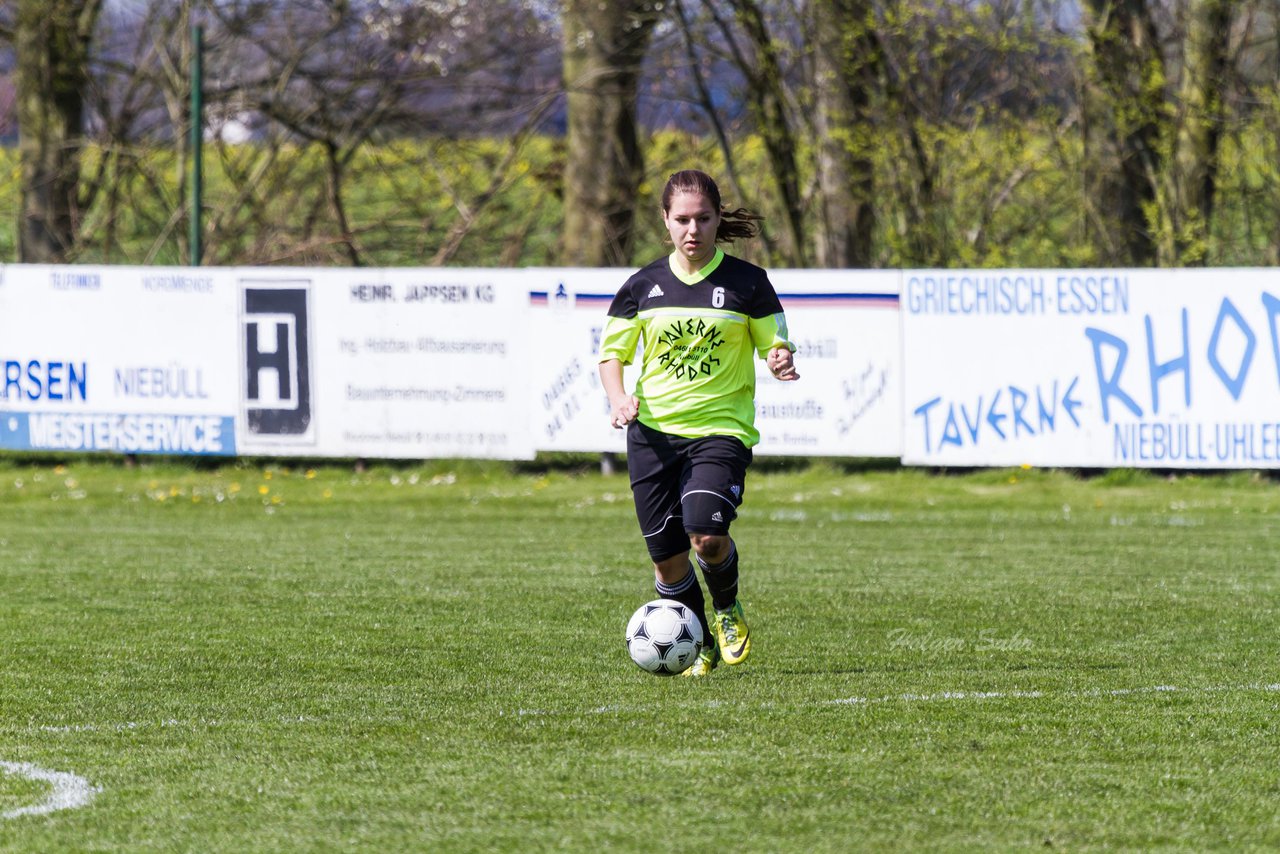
(117, 359)
(1092, 368)
(567, 310)
(847, 402)
(388, 363)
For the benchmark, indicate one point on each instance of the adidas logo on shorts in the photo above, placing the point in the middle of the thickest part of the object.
(655, 291)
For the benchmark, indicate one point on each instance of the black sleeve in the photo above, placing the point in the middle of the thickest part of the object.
(624, 302)
(764, 299)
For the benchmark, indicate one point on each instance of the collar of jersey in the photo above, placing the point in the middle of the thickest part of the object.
(694, 278)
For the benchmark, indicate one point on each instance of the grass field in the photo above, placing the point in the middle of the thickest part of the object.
(255, 658)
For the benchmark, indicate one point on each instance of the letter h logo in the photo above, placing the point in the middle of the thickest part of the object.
(277, 367)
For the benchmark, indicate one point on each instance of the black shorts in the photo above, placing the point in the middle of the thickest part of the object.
(684, 486)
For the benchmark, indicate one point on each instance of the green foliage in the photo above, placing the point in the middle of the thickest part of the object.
(1005, 194)
(1248, 210)
(260, 657)
(10, 184)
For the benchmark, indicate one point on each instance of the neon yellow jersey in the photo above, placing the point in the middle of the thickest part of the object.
(697, 335)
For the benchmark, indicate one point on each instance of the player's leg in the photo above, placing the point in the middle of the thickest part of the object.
(717, 557)
(674, 578)
(729, 622)
(711, 495)
(684, 588)
(655, 467)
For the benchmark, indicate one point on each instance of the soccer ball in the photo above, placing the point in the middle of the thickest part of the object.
(664, 637)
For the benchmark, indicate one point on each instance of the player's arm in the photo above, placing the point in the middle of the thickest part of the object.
(617, 348)
(623, 407)
(769, 335)
(768, 325)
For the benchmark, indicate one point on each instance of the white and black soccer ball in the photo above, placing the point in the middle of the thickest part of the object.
(664, 637)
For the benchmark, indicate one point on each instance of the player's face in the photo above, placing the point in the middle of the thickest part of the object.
(692, 222)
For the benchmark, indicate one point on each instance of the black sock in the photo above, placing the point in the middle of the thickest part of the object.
(688, 592)
(722, 579)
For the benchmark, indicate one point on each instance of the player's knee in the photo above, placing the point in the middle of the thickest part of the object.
(712, 548)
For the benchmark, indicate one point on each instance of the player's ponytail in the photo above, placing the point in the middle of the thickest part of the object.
(736, 223)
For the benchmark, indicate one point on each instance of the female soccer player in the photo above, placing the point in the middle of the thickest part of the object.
(699, 315)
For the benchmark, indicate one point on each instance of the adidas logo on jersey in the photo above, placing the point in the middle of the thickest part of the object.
(655, 291)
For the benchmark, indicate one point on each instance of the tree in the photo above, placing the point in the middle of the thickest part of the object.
(1202, 98)
(801, 73)
(845, 66)
(604, 45)
(760, 63)
(693, 73)
(1124, 114)
(52, 40)
(965, 114)
(1156, 102)
(310, 103)
(868, 132)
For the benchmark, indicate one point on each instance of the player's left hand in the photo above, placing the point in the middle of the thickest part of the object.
(782, 364)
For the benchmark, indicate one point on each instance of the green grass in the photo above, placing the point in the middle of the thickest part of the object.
(430, 658)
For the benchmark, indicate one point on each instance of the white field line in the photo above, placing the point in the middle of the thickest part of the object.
(939, 697)
(67, 791)
(168, 723)
(965, 696)
(1033, 695)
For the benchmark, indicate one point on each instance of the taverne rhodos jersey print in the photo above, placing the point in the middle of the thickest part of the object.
(693, 330)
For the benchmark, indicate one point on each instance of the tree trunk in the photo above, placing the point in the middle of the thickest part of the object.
(52, 40)
(1125, 113)
(604, 45)
(767, 99)
(1203, 87)
(844, 56)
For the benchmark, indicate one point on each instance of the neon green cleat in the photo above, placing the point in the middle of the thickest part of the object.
(730, 629)
(706, 661)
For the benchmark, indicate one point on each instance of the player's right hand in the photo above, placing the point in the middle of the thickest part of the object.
(624, 412)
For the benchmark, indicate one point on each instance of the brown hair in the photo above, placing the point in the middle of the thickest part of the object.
(733, 224)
